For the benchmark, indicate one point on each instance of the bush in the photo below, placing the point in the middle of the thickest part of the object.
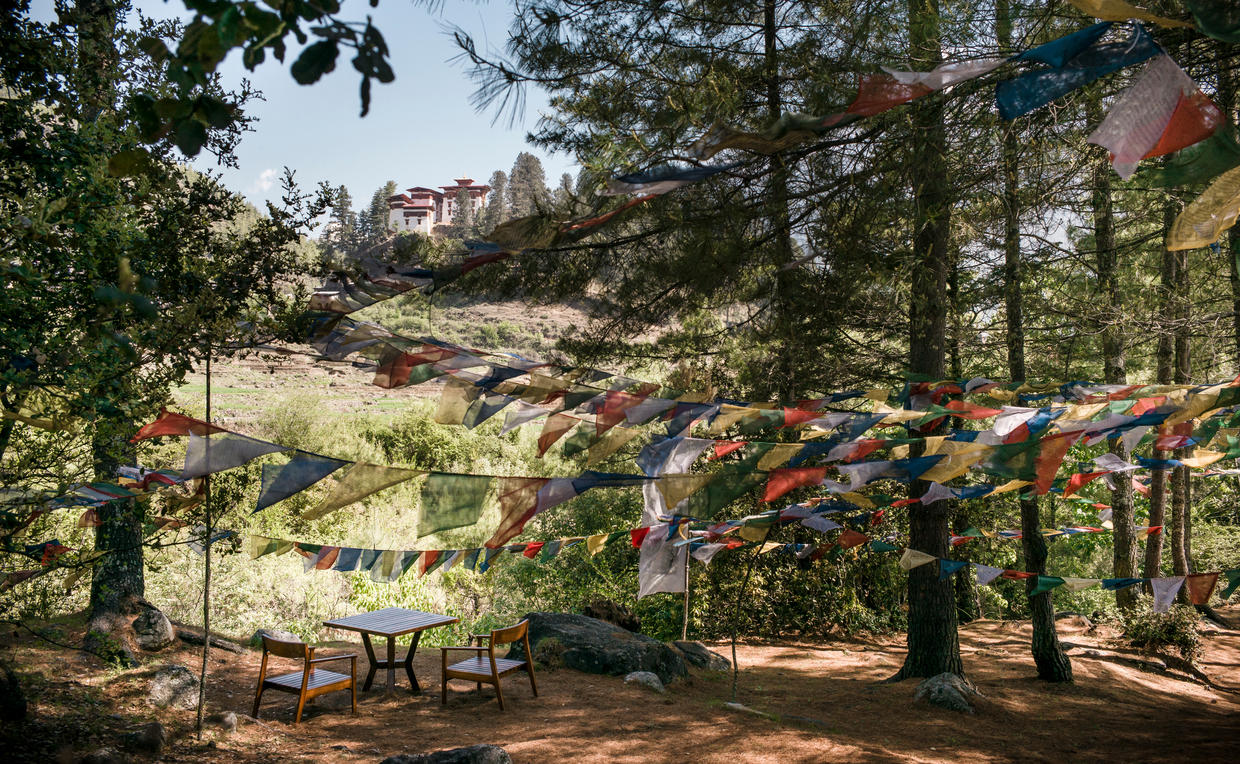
(1153, 631)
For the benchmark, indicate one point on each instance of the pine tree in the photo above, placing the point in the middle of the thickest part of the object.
(495, 211)
(372, 222)
(340, 233)
(463, 215)
(527, 186)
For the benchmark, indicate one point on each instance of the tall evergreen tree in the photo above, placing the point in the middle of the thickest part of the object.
(496, 209)
(372, 222)
(340, 232)
(527, 186)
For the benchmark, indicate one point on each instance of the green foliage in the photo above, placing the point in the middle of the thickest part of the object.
(1153, 631)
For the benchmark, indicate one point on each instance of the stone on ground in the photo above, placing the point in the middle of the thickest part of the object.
(150, 739)
(645, 679)
(153, 630)
(698, 654)
(948, 691)
(104, 756)
(598, 647)
(284, 636)
(474, 754)
(174, 686)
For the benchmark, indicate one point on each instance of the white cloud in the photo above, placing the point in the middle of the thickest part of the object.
(266, 181)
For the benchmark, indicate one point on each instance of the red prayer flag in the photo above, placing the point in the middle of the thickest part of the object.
(171, 423)
(1146, 404)
(970, 410)
(1174, 436)
(1050, 455)
(532, 548)
(783, 480)
(1140, 487)
(725, 447)
(1195, 118)
(612, 412)
(1200, 586)
(1080, 479)
(865, 448)
(879, 92)
(638, 535)
(850, 538)
(1017, 575)
(794, 417)
(426, 560)
(518, 502)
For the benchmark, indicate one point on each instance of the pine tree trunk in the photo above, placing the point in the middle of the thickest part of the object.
(1122, 512)
(1052, 662)
(1181, 497)
(1164, 374)
(118, 586)
(933, 642)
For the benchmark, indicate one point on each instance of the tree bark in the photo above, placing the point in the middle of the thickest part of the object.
(933, 642)
(1165, 372)
(1113, 363)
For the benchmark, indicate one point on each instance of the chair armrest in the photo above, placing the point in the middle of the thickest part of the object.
(346, 657)
(475, 649)
(478, 637)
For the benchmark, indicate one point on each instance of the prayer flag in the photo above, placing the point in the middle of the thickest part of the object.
(170, 423)
(1200, 586)
(1135, 124)
(451, 501)
(879, 92)
(518, 502)
(781, 481)
(554, 428)
(913, 558)
(948, 568)
(208, 455)
(361, 480)
(1233, 581)
(1205, 219)
(1219, 19)
(304, 470)
(986, 573)
(1165, 590)
(1045, 584)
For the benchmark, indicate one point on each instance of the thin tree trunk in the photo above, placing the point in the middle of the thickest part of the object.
(933, 642)
(206, 566)
(1165, 373)
(1113, 361)
(1180, 492)
(1048, 656)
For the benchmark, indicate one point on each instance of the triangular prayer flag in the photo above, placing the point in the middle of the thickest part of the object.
(171, 423)
(518, 502)
(1233, 582)
(850, 538)
(948, 568)
(208, 455)
(1045, 584)
(781, 481)
(360, 481)
(1200, 586)
(1165, 590)
(986, 573)
(913, 558)
(553, 429)
(302, 471)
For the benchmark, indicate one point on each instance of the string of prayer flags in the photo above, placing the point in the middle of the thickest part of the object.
(171, 423)
(1074, 61)
(1162, 112)
(302, 471)
(1205, 219)
(1219, 19)
(946, 75)
(361, 480)
(1118, 10)
(660, 180)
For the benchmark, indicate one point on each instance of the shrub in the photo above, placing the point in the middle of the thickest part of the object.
(1153, 631)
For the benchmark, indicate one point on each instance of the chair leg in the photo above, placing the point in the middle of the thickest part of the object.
(301, 704)
(500, 695)
(258, 697)
(353, 688)
(533, 685)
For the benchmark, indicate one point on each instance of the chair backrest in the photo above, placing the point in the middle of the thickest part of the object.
(282, 649)
(510, 634)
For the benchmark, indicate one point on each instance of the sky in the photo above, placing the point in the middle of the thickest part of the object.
(421, 129)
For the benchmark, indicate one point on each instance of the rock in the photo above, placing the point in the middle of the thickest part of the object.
(948, 691)
(12, 696)
(549, 653)
(613, 612)
(474, 754)
(645, 679)
(104, 756)
(151, 739)
(226, 721)
(698, 654)
(174, 686)
(598, 647)
(153, 630)
(108, 648)
(284, 636)
(193, 635)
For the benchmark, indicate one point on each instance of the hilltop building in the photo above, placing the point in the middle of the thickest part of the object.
(421, 209)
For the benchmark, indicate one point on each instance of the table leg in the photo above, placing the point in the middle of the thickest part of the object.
(413, 647)
(374, 664)
(391, 664)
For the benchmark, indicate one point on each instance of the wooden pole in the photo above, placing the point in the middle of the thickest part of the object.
(684, 625)
(206, 565)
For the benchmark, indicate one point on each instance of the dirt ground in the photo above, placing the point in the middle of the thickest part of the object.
(825, 701)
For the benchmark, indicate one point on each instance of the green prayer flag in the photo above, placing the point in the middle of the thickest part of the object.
(1233, 581)
(882, 546)
(1219, 19)
(1195, 164)
(580, 440)
(726, 488)
(1045, 584)
(451, 501)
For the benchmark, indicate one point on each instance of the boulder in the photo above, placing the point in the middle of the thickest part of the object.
(12, 696)
(645, 679)
(474, 754)
(284, 636)
(151, 739)
(174, 686)
(948, 691)
(598, 647)
(698, 654)
(613, 612)
(226, 721)
(153, 630)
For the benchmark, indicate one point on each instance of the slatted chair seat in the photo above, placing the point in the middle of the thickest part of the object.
(484, 667)
(308, 683)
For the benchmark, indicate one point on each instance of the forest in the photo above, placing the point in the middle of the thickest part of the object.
(882, 348)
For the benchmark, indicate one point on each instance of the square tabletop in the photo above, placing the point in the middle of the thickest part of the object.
(391, 621)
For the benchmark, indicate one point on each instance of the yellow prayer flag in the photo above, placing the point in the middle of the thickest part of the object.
(1209, 215)
(730, 415)
(912, 559)
(1010, 485)
(595, 544)
(610, 443)
(769, 546)
(856, 498)
(1079, 584)
(778, 455)
(676, 488)
(454, 402)
(1203, 458)
(877, 394)
(1118, 10)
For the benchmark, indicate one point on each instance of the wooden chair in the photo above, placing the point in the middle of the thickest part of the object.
(487, 668)
(307, 683)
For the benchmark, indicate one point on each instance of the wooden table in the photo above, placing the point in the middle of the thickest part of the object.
(391, 622)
